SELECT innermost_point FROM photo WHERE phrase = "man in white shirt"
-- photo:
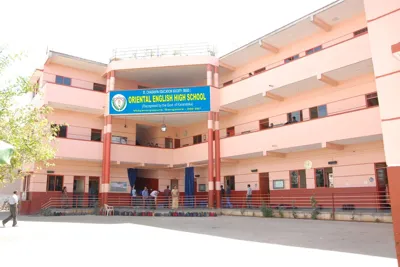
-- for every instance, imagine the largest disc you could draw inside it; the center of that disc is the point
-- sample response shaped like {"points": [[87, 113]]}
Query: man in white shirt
{"points": [[249, 195], [13, 202], [154, 195]]}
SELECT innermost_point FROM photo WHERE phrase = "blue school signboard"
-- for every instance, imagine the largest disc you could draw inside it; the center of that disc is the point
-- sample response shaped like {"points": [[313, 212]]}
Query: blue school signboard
{"points": [[163, 100]]}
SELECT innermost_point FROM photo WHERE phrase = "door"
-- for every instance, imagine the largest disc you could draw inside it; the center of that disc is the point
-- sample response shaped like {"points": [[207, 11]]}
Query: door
{"points": [[168, 143], [93, 190], [177, 143], [382, 185], [78, 191], [264, 186]]}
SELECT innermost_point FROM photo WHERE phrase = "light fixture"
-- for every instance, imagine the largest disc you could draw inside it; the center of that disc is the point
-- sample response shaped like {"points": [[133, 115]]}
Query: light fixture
{"points": [[163, 126]]}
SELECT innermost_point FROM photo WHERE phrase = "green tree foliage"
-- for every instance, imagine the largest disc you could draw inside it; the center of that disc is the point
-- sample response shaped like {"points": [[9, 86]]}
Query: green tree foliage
{"points": [[23, 126]]}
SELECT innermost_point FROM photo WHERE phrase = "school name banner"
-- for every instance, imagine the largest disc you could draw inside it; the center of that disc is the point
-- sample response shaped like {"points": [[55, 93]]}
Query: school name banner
{"points": [[155, 101]]}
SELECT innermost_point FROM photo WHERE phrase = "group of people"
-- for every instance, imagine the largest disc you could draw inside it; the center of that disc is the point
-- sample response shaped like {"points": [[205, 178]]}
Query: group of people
{"points": [[226, 195], [150, 200]]}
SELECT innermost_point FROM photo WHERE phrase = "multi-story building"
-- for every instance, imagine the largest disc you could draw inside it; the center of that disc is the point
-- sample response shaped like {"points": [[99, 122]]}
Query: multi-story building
{"points": [[305, 110]]}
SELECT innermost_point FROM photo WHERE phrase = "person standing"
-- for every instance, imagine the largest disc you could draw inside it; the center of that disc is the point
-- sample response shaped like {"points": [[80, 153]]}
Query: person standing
{"points": [[13, 202], [64, 197], [249, 195], [145, 196], [228, 197], [133, 195], [222, 195], [175, 198], [167, 194]]}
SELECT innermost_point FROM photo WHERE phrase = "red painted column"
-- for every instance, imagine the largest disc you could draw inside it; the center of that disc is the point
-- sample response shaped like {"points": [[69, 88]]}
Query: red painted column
{"points": [[210, 161], [217, 161], [107, 132]]}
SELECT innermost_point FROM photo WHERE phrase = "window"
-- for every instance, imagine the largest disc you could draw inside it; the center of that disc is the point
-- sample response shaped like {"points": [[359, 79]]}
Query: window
{"points": [[362, 31], [63, 80], [54, 182], [298, 179], [99, 87], [323, 177], [290, 59], [230, 131], [62, 130], [95, 135], [229, 181], [313, 50], [372, 100], [259, 71], [318, 112], [227, 83], [294, 117], [197, 139], [119, 140], [264, 124]]}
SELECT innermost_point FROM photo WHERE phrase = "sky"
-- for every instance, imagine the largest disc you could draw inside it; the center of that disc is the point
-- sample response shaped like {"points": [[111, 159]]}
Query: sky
{"points": [[92, 29]]}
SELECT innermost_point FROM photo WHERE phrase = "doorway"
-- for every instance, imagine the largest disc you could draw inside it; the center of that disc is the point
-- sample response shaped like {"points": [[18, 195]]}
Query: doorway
{"points": [[382, 185], [168, 142], [177, 143], [78, 191], [93, 190], [264, 186]]}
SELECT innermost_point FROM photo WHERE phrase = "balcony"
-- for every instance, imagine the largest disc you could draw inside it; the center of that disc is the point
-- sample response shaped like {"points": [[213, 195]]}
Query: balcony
{"points": [[336, 130], [75, 149], [78, 96], [140, 155], [347, 54]]}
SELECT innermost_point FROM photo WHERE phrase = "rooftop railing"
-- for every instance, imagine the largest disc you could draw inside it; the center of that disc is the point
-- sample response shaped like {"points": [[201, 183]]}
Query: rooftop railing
{"points": [[194, 49]]}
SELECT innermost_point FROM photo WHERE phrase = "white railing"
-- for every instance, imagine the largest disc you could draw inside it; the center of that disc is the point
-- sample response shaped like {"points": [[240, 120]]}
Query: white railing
{"points": [[195, 49]]}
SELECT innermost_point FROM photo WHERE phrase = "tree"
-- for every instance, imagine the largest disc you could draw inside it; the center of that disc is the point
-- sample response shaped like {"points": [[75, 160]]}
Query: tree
{"points": [[23, 126]]}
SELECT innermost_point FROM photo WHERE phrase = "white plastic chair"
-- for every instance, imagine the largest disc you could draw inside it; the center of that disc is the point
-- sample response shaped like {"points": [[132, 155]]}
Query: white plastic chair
{"points": [[108, 209]]}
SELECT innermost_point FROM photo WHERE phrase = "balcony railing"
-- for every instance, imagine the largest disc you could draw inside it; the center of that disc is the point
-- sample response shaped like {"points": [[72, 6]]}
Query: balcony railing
{"points": [[195, 49], [308, 52]]}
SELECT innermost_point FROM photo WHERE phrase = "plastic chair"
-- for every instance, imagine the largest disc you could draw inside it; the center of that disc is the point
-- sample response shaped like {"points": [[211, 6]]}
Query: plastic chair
{"points": [[108, 209]]}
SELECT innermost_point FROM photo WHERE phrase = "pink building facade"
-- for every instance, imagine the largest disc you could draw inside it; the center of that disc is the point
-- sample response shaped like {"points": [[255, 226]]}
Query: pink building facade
{"points": [[308, 109]]}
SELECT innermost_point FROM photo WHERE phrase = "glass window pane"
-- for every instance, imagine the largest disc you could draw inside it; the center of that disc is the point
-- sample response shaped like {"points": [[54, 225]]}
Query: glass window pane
{"points": [[372, 102], [322, 112], [96, 135], [59, 79], [294, 179], [58, 186], [296, 116], [63, 131], [318, 48], [303, 181], [295, 57], [309, 51], [313, 113], [67, 81], [50, 186], [319, 177]]}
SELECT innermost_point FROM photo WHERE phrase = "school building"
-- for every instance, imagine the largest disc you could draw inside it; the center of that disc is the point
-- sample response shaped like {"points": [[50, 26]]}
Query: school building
{"points": [[308, 109]]}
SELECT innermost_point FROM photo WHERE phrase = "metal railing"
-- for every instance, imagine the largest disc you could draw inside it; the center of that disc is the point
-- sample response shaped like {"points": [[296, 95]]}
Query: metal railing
{"points": [[72, 201], [194, 49], [373, 201], [161, 202]]}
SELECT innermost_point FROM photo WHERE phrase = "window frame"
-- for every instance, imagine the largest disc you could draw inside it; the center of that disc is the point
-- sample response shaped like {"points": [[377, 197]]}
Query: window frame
{"points": [[371, 96], [299, 179], [313, 50], [55, 176], [58, 133], [360, 32], [103, 86], [230, 178], [291, 116], [94, 131], [196, 139], [318, 112], [263, 122], [325, 177], [63, 79], [291, 58], [120, 139]]}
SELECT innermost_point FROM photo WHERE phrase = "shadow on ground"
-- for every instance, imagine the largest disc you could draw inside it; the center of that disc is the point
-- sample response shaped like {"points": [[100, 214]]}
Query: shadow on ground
{"points": [[375, 239]]}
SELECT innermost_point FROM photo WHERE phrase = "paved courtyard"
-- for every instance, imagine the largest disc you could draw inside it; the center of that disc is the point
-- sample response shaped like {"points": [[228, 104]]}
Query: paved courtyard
{"points": [[243, 241]]}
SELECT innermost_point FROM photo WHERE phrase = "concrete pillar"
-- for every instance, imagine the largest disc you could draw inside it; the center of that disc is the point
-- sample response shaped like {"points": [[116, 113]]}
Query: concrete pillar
{"points": [[216, 77], [107, 134], [209, 75], [383, 20], [217, 161], [210, 160]]}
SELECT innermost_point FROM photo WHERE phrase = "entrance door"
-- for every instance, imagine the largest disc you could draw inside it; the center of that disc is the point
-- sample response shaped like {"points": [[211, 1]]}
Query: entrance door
{"points": [[177, 143], [93, 190], [79, 190], [168, 143], [382, 185], [264, 186]]}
